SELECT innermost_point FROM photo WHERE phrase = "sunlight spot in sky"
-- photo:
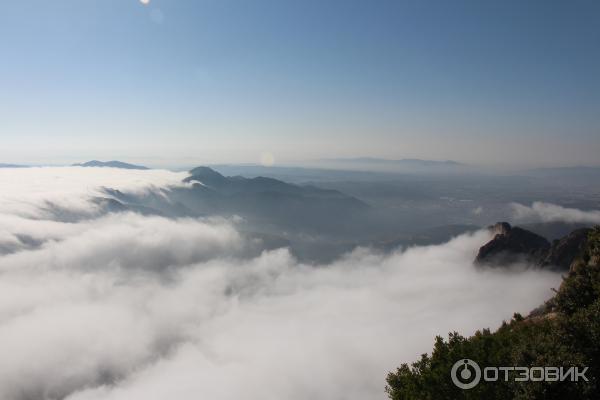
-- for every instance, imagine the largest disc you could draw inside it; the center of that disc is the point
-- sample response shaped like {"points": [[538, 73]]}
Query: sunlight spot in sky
{"points": [[267, 159], [145, 2]]}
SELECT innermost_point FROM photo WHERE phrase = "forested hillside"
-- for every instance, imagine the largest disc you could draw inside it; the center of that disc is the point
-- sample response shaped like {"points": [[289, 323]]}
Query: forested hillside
{"points": [[563, 332]]}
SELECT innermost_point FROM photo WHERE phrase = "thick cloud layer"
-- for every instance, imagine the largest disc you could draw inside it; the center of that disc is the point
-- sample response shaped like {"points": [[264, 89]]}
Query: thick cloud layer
{"points": [[126, 306], [32, 191], [547, 212]]}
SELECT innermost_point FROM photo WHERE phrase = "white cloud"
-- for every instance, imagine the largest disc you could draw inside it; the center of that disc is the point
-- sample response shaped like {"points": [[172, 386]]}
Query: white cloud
{"points": [[127, 306], [547, 212], [28, 191]]}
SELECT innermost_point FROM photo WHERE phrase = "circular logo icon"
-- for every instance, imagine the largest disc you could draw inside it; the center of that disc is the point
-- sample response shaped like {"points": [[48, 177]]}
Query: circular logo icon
{"points": [[466, 374]]}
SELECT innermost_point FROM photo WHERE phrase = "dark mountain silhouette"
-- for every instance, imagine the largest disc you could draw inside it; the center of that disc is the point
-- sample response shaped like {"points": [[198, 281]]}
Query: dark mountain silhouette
{"points": [[563, 251], [208, 178], [110, 164], [269, 200], [269, 205], [514, 244], [511, 245]]}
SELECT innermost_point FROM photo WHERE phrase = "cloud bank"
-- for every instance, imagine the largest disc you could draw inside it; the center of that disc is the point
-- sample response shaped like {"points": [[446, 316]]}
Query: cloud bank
{"points": [[31, 192], [547, 212], [126, 306]]}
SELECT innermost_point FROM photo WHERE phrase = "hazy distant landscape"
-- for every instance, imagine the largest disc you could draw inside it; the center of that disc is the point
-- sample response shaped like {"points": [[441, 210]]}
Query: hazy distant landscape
{"points": [[92, 243], [201, 277], [299, 200]]}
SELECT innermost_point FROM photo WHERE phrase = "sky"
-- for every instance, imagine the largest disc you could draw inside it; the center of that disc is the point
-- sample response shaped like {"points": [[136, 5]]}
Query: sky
{"points": [[234, 81]]}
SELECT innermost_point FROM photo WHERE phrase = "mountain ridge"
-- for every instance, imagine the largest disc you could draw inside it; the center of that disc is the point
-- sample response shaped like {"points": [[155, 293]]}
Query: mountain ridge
{"points": [[514, 244], [110, 164]]}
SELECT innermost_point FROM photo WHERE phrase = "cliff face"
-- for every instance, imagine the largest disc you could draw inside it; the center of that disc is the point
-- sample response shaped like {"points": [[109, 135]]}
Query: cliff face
{"points": [[564, 251], [514, 244], [511, 245]]}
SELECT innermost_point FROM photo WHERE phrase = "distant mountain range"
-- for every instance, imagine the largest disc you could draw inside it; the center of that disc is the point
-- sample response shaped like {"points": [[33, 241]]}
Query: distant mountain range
{"points": [[403, 161], [210, 179], [272, 204], [13, 166], [93, 163], [316, 224], [270, 198], [405, 165], [109, 164]]}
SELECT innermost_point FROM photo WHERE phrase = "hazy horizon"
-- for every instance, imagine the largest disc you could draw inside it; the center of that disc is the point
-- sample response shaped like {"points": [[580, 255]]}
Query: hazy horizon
{"points": [[341, 164]]}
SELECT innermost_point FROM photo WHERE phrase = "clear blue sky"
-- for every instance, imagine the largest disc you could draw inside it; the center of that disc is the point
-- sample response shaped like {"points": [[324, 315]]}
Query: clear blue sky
{"points": [[185, 81]]}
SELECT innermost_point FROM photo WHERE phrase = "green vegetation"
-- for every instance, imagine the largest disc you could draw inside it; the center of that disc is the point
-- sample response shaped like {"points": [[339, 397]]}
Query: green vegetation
{"points": [[564, 332]]}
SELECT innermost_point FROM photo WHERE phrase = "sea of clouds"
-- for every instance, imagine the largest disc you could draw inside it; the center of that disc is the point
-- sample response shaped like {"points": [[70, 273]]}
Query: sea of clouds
{"points": [[547, 212], [131, 306]]}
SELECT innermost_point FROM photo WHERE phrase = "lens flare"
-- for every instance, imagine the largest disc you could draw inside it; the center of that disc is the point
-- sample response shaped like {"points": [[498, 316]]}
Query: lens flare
{"points": [[267, 159]]}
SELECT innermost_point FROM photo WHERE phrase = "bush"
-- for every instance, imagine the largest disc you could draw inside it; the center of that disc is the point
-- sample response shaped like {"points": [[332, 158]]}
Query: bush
{"points": [[566, 333]]}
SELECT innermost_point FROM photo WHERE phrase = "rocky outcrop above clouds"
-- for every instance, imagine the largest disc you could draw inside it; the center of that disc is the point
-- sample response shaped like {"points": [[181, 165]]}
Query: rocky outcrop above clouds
{"points": [[511, 245]]}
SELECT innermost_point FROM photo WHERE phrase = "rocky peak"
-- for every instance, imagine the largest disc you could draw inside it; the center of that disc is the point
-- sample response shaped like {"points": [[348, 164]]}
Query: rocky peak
{"points": [[514, 244], [511, 245], [207, 176], [500, 228]]}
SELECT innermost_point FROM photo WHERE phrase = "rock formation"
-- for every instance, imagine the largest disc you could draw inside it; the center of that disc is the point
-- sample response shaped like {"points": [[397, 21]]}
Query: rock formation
{"points": [[513, 244]]}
